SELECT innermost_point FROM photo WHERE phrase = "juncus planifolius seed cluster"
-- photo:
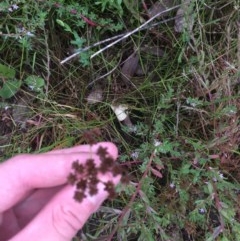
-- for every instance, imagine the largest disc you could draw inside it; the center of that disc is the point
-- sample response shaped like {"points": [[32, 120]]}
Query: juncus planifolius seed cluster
{"points": [[85, 177]]}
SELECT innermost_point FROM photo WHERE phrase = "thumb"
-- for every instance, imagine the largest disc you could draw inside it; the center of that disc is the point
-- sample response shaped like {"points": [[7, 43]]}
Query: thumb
{"points": [[62, 217]]}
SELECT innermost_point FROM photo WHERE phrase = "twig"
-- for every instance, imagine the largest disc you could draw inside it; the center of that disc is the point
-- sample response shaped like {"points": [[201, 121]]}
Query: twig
{"points": [[120, 37], [238, 46], [89, 47], [219, 208], [177, 118], [134, 31], [47, 64]]}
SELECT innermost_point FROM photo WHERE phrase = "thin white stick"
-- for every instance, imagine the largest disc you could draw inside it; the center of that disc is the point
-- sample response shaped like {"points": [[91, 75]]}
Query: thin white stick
{"points": [[89, 47], [134, 31], [120, 36]]}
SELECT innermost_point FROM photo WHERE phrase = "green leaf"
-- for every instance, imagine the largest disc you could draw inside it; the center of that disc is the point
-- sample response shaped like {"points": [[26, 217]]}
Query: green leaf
{"points": [[35, 83], [64, 25], [224, 238], [10, 88], [210, 187], [60, 22], [144, 197], [6, 72], [228, 214]]}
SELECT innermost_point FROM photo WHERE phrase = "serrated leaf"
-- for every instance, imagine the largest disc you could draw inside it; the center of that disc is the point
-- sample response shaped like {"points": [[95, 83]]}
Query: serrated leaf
{"points": [[6, 72], [35, 83], [10, 88], [78, 41]]}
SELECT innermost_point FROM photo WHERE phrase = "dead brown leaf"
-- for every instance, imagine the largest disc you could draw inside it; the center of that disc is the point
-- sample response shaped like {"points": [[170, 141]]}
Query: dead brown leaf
{"points": [[95, 96], [156, 173], [129, 67]]}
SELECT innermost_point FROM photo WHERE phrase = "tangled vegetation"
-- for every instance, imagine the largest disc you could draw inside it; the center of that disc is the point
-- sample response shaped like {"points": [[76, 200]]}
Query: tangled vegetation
{"points": [[171, 67]]}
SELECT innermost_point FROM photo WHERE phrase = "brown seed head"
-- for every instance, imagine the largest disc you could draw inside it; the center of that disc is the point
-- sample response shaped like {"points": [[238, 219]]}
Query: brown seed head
{"points": [[79, 196], [81, 185], [102, 152], [71, 178]]}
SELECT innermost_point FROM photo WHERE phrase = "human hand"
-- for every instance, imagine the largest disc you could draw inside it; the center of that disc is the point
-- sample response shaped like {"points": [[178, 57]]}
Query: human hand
{"points": [[36, 203]]}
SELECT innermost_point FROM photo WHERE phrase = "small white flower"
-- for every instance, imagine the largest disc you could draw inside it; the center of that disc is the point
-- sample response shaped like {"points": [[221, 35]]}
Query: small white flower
{"points": [[214, 179], [232, 111], [135, 154], [193, 104], [29, 34], [21, 30], [10, 9], [133, 129], [6, 107], [157, 142], [221, 175], [15, 6], [202, 210], [172, 185]]}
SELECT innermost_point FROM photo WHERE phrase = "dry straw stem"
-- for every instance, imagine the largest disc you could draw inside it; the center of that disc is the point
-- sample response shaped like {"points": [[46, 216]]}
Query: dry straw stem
{"points": [[238, 51]]}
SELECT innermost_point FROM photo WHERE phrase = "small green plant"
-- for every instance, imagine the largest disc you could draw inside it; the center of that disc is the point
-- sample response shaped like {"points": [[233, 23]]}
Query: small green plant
{"points": [[35, 83], [10, 85], [113, 4]]}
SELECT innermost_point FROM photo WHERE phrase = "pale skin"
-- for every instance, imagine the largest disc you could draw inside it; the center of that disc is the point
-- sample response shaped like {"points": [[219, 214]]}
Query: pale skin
{"points": [[36, 203]]}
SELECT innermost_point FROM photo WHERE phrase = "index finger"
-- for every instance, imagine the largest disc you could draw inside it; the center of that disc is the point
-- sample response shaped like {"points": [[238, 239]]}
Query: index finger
{"points": [[84, 148]]}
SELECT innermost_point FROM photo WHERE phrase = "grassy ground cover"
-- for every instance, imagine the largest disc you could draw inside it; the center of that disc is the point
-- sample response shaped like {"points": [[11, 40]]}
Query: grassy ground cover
{"points": [[178, 76]]}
